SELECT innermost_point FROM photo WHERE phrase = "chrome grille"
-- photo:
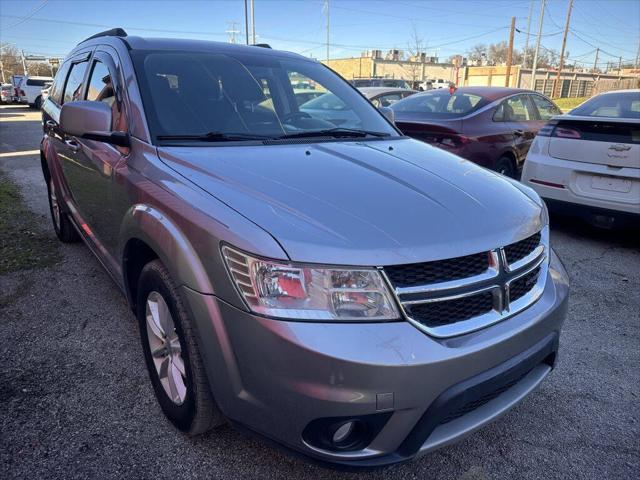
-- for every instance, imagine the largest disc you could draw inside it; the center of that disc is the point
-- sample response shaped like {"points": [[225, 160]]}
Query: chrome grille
{"points": [[441, 271], [519, 250], [435, 314], [455, 296]]}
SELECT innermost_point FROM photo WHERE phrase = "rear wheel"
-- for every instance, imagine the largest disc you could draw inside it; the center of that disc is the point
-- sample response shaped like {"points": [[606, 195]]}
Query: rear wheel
{"points": [[172, 354], [38, 103], [62, 225], [506, 167]]}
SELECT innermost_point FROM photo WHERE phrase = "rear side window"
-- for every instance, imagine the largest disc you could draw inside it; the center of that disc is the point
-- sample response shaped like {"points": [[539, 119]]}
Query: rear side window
{"points": [[440, 104], [546, 109], [515, 109], [58, 83], [617, 105], [36, 83], [73, 88]]}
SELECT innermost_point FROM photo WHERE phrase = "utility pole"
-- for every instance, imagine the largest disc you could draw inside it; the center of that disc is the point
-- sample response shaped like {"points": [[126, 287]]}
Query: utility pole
{"points": [[232, 30], [24, 63], [326, 5], [564, 44], [246, 23], [638, 56], [595, 63], [2, 71], [253, 23], [526, 43], [535, 54], [510, 53], [620, 65]]}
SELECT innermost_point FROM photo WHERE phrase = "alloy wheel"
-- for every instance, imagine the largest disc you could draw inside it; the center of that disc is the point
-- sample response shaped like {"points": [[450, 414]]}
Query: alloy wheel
{"points": [[165, 348], [55, 206]]}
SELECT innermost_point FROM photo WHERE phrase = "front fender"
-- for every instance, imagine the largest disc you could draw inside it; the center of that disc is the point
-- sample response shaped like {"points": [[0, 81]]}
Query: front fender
{"points": [[160, 233]]}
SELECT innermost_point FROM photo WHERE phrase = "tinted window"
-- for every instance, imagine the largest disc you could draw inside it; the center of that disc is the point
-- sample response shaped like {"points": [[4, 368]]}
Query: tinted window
{"points": [[73, 88], [440, 104], [546, 109], [515, 109], [58, 83], [37, 83], [101, 89], [618, 105], [193, 93], [387, 100]]}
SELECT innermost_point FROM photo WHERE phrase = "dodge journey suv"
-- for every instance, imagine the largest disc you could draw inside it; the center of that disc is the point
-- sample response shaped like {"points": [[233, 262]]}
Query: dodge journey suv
{"points": [[351, 293]]}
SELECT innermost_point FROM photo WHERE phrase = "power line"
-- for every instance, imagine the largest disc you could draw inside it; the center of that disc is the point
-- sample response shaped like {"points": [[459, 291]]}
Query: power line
{"points": [[28, 16]]}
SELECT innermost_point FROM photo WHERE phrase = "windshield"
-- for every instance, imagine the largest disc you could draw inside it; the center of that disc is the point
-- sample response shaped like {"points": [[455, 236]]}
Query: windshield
{"points": [[617, 105], [440, 104], [264, 96]]}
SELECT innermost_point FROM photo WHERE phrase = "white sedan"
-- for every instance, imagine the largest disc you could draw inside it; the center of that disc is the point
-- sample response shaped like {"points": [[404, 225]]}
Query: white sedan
{"points": [[587, 162]]}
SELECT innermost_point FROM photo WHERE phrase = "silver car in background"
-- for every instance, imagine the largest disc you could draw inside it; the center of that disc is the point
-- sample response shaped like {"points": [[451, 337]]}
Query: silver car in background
{"points": [[353, 294]]}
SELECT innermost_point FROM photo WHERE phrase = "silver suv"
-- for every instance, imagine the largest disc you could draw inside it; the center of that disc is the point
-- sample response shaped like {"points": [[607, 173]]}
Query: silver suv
{"points": [[325, 281]]}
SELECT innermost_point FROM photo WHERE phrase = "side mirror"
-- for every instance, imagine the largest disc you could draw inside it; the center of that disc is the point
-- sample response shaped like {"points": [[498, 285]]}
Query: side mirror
{"points": [[388, 113], [91, 120]]}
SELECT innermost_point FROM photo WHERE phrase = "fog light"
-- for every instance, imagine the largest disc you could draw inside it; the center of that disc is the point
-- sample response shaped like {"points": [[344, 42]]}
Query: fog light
{"points": [[343, 432]]}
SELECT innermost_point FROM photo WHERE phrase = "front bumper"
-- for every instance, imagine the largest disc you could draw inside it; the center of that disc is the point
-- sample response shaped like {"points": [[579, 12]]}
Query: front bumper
{"points": [[276, 377]]}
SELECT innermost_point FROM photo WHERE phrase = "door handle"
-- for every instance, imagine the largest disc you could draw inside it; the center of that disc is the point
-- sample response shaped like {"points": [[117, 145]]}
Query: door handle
{"points": [[73, 145], [518, 133]]}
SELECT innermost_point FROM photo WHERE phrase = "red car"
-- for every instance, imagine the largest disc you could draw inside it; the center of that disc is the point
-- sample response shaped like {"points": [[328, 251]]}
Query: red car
{"points": [[490, 126]]}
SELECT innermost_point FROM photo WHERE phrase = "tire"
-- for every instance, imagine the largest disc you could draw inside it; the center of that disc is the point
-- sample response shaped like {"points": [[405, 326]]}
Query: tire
{"points": [[62, 225], [189, 405], [38, 103], [506, 167]]}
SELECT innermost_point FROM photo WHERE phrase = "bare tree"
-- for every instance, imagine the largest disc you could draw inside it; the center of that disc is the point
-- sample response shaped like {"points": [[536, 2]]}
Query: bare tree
{"points": [[477, 53], [498, 53], [415, 47], [11, 60]]}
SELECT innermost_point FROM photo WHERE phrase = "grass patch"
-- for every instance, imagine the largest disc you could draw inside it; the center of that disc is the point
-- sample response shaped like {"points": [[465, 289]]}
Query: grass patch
{"points": [[23, 243], [567, 104]]}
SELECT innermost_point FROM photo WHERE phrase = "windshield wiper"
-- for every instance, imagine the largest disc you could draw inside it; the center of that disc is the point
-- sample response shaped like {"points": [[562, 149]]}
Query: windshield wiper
{"points": [[335, 132], [216, 137]]}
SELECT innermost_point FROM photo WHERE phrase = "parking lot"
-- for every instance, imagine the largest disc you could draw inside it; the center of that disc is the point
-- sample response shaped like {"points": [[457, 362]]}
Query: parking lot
{"points": [[77, 403]]}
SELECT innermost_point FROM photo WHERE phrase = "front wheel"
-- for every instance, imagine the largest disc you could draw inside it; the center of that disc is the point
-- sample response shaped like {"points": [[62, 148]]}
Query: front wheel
{"points": [[172, 354], [62, 225]]}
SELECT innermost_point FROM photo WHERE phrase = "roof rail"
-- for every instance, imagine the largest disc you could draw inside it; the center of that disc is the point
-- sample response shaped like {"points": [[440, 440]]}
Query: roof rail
{"points": [[261, 45], [114, 32]]}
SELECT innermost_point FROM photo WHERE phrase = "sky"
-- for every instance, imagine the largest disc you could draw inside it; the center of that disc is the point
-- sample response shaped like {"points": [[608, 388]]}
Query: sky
{"points": [[54, 27]]}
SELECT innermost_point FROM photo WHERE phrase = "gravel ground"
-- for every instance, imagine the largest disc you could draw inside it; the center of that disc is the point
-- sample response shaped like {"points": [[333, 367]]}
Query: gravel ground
{"points": [[75, 400]]}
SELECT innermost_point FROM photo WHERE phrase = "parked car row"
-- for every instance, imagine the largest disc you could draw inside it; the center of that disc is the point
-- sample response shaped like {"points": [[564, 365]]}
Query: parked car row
{"points": [[26, 89]]}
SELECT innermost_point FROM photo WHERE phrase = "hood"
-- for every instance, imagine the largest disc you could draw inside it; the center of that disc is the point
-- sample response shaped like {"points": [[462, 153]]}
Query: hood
{"points": [[370, 203]]}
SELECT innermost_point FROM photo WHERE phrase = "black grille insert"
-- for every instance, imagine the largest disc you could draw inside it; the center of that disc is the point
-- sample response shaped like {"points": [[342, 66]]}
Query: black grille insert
{"points": [[446, 312], [415, 274], [523, 285], [472, 404], [519, 250]]}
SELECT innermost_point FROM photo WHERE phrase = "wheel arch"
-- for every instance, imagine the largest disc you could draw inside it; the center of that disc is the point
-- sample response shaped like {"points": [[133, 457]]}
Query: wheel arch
{"points": [[148, 234]]}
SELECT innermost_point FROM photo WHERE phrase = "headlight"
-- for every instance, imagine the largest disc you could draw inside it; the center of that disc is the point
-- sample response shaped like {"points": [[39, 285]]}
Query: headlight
{"points": [[309, 292]]}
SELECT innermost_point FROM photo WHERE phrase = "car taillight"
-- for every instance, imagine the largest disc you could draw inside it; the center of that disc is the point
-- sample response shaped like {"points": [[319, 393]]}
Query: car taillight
{"points": [[565, 132], [547, 130], [454, 141]]}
